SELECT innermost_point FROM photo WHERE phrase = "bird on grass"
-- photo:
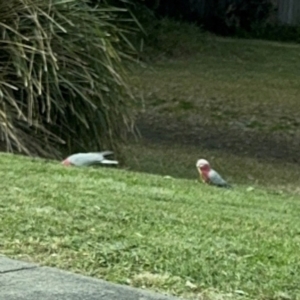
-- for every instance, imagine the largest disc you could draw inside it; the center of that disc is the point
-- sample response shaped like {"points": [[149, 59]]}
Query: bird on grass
{"points": [[209, 175], [89, 159]]}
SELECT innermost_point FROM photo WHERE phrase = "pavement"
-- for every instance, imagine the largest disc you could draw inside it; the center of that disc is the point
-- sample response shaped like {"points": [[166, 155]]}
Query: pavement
{"points": [[21, 280]]}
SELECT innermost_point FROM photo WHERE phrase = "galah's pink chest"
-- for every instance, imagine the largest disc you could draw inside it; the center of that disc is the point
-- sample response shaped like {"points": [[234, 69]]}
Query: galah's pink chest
{"points": [[205, 175]]}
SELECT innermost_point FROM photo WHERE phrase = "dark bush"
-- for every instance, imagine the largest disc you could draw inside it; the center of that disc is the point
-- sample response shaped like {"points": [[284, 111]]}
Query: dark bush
{"points": [[233, 16], [219, 16], [63, 82]]}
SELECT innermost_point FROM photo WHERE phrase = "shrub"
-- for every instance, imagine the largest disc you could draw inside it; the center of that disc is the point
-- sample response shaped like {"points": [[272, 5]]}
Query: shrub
{"points": [[273, 32], [63, 84], [166, 37], [233, 16]]}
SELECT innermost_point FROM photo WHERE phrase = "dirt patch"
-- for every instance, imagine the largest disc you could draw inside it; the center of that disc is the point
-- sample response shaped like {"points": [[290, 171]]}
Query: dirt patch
{"points": [[157, 128]]}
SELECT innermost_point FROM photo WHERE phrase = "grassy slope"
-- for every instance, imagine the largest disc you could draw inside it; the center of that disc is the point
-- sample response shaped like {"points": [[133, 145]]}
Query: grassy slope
{"points": [[238, 100], [179, 161], [161, 233], [228, 79], [151, 231]]}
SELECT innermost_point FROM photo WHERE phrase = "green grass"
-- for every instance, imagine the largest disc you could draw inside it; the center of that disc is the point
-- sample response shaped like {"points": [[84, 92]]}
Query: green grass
{"points": [[179, 162], [166, 234], [246, 84], [171, 233], [234, 102]]}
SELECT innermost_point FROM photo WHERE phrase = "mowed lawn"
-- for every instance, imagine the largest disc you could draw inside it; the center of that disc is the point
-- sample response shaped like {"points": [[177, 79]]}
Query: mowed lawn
{"points": [[229, 81], [234, 102], [161, 233], [164, 232]]}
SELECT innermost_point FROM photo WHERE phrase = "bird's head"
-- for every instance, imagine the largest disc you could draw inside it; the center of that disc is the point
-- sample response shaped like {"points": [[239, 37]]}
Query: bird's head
{"points": [[66, 162], [202, 164]]}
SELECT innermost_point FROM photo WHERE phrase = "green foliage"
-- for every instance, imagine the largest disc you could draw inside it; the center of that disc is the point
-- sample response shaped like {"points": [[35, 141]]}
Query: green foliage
{"points": [[176, 236], [169, 38], [239, 97], [246, 19], [221, 16], [234, 15], [272, 32], [63, 79]]}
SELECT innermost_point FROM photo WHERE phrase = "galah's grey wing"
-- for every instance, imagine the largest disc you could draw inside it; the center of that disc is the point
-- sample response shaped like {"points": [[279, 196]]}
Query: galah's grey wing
{"points": [[88, 159], [98, 157], [105, 153], [81, 159], [85, 159], [109, 162], [104, 160], [216, 179]]}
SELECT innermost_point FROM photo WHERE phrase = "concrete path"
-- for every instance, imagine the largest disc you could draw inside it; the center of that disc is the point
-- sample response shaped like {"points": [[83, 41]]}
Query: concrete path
{"points": [[25, 281]]}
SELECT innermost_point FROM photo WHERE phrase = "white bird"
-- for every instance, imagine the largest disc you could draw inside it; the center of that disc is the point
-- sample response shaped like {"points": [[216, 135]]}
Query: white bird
{"points": [[209, 175], [88, 159]]}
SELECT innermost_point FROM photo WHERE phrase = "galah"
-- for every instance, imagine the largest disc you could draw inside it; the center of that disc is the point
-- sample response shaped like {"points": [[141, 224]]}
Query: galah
{"points": [[209, 175], [88, 159]]}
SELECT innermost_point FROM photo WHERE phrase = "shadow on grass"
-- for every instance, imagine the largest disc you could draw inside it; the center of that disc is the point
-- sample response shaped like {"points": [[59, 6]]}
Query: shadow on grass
{"points": [[249, 159], [261, 146]]}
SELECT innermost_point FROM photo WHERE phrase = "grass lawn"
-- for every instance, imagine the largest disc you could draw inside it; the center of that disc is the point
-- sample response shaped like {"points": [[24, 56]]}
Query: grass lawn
{"points": [[179, 161], [233, 96], [234, 102], [225, 80], [166, 234]]}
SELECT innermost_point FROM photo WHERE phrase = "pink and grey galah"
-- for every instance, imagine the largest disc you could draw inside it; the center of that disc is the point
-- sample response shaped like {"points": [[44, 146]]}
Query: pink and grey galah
{"points": [[89, 159], [209, 175]]}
